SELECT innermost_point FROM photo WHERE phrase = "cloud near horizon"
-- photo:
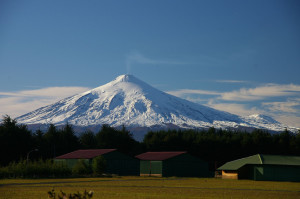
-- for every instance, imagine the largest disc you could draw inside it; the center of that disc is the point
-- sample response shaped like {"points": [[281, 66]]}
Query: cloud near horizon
{"points": [[20, 102], [247, 101], [182, 92], [287, 106], [246, 94], [258, 93]]}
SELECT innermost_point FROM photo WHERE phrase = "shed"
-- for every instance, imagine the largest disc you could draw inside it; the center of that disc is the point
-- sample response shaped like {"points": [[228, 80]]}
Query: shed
{"points": [[116, 162], [178, 163], [263, 167]]}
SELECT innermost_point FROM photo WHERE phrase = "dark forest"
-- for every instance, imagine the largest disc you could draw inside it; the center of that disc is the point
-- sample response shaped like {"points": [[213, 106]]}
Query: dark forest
{"points": [[216, 146]]}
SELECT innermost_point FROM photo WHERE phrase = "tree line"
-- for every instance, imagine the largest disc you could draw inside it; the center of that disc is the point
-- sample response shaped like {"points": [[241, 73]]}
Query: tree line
{"points": [[18, 143], [216, 146]]}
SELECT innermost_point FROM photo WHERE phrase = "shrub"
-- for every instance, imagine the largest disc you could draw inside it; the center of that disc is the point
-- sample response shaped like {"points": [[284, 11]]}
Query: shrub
{"points": [[36, 169], [81, 168], [98, 165], [4, 172], [63, 195]]}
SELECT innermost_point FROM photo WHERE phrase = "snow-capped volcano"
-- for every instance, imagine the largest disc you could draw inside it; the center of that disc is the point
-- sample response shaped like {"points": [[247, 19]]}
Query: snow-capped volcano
{"points": [[131, 102]]}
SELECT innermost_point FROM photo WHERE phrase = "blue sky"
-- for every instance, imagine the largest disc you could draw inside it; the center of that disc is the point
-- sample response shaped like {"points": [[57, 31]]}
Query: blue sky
{"points": [[239, 56]]}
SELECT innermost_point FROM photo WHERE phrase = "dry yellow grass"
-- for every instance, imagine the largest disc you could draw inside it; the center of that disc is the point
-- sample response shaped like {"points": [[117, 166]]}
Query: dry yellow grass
{"points": [[146, 187]]}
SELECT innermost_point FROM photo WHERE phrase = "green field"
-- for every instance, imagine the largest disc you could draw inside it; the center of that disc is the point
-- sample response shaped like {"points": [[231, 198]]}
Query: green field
{"points": [[147, 187]]}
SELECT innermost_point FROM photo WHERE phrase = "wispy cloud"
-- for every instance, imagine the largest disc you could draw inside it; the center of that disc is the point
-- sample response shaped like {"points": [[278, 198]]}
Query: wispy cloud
{"points": [[52, 92], [245, 94], [182, 92], [235, 108], [138, 58], [21, 102], [232, 81], [262, 92], [289, 106]]}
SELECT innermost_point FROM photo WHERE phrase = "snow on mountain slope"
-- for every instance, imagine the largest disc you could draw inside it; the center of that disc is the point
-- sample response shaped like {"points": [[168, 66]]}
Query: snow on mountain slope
{"points": [[131, 102]]}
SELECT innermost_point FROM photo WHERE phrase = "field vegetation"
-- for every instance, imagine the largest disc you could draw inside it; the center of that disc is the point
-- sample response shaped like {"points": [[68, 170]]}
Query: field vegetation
{"points": [[150, 187]]}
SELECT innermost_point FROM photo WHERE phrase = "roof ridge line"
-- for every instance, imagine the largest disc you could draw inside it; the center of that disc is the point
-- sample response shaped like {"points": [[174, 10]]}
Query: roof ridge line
{"points": [[261, 162]]}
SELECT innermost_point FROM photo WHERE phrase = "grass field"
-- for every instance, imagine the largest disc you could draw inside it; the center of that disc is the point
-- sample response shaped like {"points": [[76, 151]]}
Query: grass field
{"points": [[147, 187]]}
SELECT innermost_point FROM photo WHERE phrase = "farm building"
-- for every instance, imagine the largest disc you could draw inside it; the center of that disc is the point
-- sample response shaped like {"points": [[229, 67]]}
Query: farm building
{"points": [[116, 162], [166, 164], [263, 167]]}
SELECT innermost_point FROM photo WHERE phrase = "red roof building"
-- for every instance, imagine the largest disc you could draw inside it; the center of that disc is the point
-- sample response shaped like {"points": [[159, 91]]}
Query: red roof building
{"points": [[116, 162], [159, 155], [85, 154], [172, 163]]}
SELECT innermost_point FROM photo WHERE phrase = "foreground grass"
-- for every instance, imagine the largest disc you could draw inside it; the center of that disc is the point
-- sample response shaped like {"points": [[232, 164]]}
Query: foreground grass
{"points": [[146, 187]]}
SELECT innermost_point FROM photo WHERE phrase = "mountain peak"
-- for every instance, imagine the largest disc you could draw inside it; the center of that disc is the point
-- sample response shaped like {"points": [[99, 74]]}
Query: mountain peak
{"points": [[126, 78], [125, 82], [131, 102]]}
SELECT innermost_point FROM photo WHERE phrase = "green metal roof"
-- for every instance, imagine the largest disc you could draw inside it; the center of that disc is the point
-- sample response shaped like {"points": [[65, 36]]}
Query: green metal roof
{"points": [[261, 159]]}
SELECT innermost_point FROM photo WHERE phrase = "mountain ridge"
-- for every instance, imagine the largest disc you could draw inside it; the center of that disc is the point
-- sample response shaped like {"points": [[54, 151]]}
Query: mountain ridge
{"points": [[133, 103]]}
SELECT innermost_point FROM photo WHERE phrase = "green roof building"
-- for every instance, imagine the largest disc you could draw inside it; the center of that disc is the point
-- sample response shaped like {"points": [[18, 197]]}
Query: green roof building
{"points": [[116, 162], [175, 163], [263, 167]]}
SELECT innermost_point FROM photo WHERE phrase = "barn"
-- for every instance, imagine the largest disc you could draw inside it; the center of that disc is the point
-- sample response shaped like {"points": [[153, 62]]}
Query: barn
{"points": [[263, 167], [165, 164], [116, 162]]}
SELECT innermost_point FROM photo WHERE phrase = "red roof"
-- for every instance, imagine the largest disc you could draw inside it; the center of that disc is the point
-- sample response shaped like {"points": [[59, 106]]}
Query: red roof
{"points": [[159, 155], [85, 154]]}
